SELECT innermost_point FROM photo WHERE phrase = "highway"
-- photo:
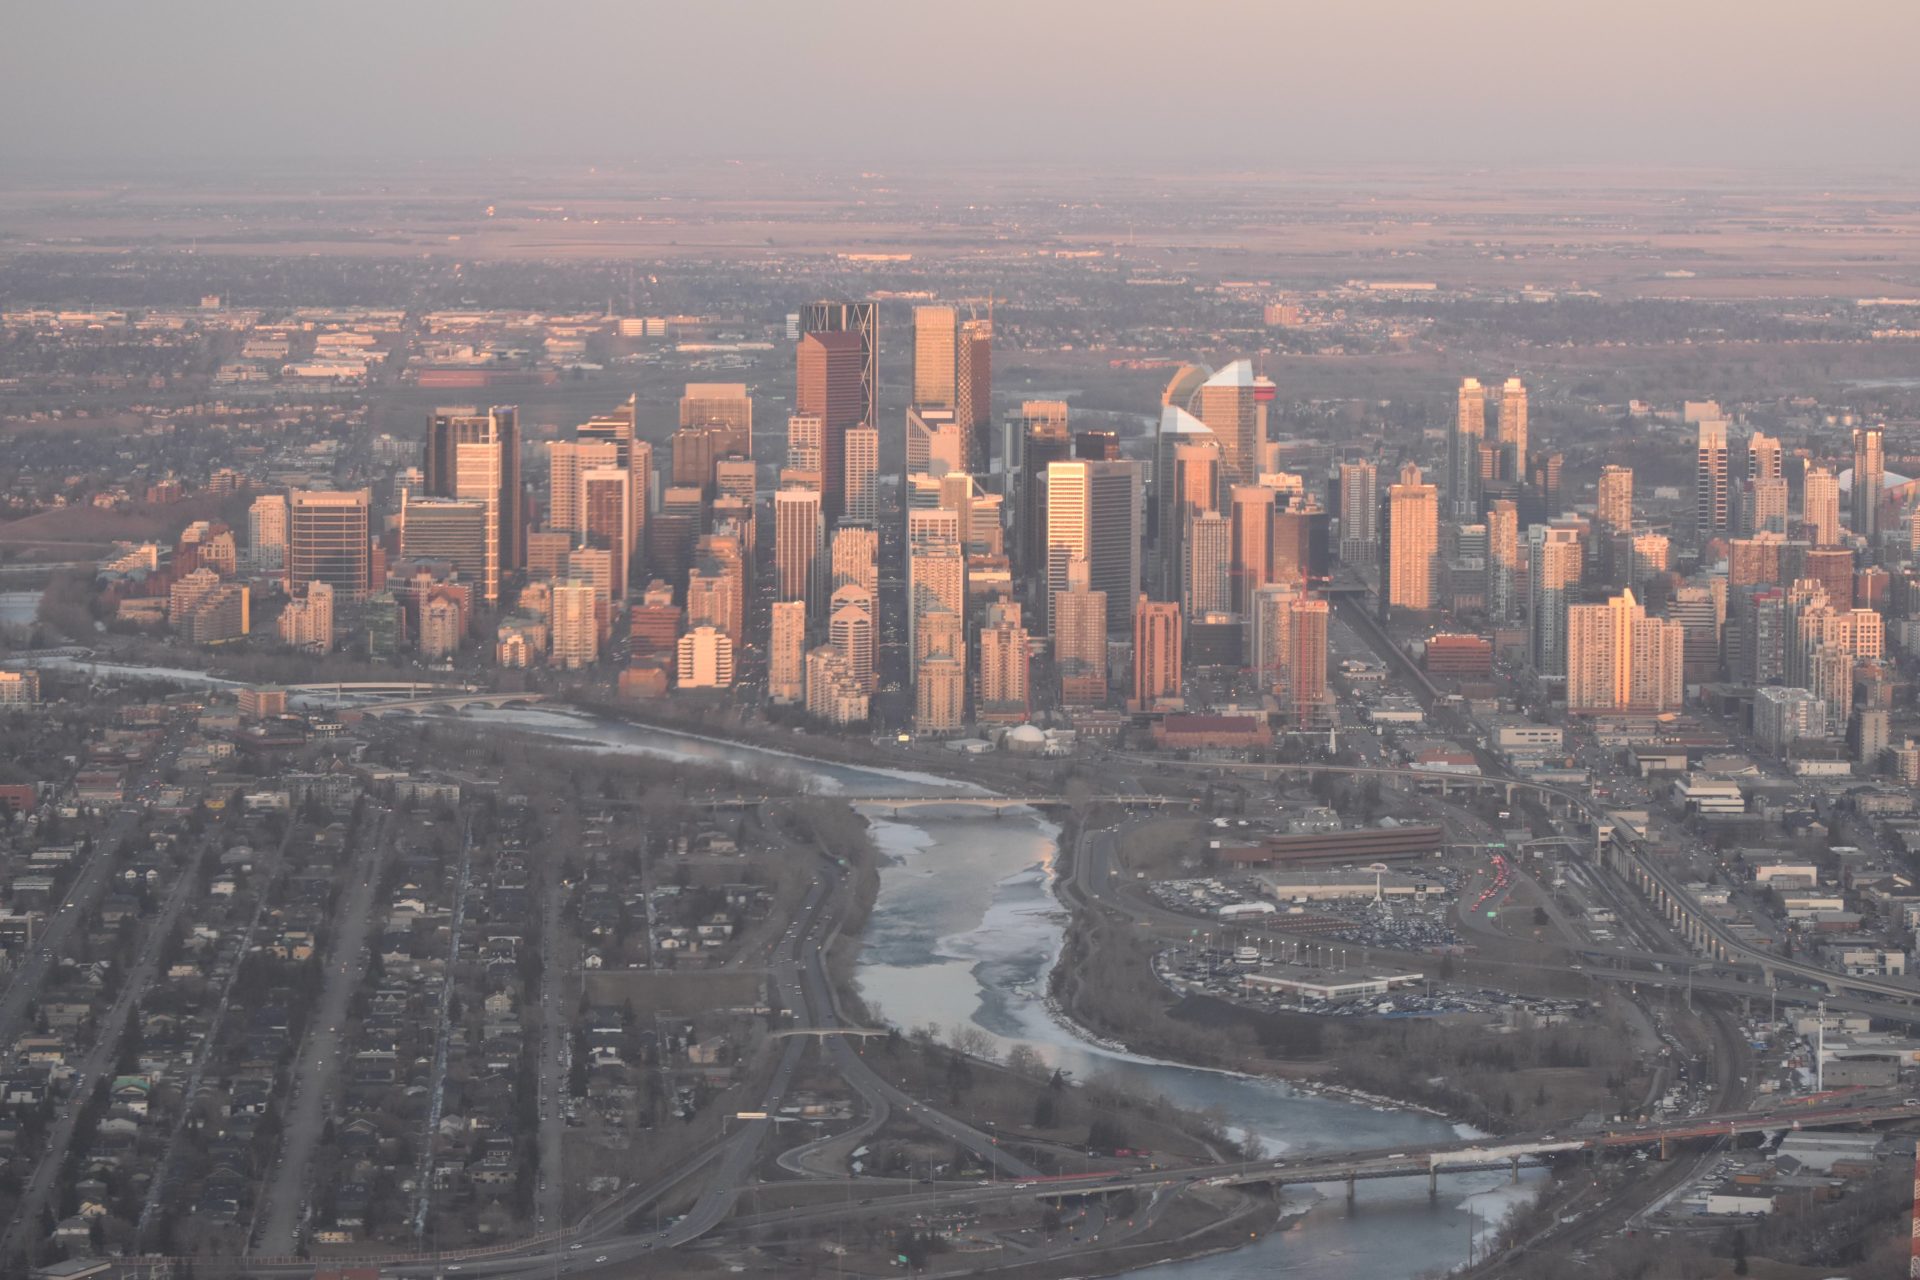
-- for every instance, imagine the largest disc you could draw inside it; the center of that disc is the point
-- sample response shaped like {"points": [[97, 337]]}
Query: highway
{"points": [[590, 1251]]}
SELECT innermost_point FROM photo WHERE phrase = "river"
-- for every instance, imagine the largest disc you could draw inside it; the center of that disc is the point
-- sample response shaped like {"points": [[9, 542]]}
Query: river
{"points": [[966, 929]]}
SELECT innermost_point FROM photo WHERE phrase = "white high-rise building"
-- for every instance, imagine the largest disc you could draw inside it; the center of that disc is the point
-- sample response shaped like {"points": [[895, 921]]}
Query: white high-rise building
{"points": [[1820, 506], [267, 532], [575, 627], [863, 473], [705, 659]]}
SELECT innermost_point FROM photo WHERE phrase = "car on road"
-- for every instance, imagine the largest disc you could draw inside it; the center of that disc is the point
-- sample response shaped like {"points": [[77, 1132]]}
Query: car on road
{"points": [[601, 1258]]}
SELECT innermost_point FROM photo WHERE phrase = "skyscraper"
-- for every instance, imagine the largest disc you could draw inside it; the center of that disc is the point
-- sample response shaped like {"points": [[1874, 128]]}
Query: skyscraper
{"points": [[1503, 561], [1618, 658], [1156, 652], [1413, 541], [829, 387], [806, 447], [863, 474], [636, 456], [1189, 488], [1299, 551], [1004, 695], [1252, 513], [1763, 506], [575, 628], [567, 460], [1207, 586], [973, 393], [850, 630], [705, 659], [1080, 640], [940, 674], [1307, 658], [327, 541], [1229, 409], [267, 532], [695, 449], [862, 320], [856, 558], [1613, 522], [724, 407], [1613, 510], [1463, 450], [1093, 514], [1869, 482], [1820, 506], [833, 694], [1042, 428], [798, 541], [1555, 561], [935, 443], [606, 519], [936, 570], [1710, 482], [1269, 636], [787, 652], [1512, 426], [307, 621], [1359, 513], [936, 332], [1177, 428], [449, 529], [470, 454], [716, 590]]}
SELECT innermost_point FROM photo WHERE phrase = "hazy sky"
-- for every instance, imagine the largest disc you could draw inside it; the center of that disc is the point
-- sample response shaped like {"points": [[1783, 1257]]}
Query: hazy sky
{"points": [[1537, 82]]}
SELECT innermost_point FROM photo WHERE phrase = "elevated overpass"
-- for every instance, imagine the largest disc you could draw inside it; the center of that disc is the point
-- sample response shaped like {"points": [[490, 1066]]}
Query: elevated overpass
{"points": [[537, 1255]]}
